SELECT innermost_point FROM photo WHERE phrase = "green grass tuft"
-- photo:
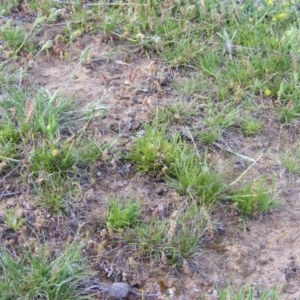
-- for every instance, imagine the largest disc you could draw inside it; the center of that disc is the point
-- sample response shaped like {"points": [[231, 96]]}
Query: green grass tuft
{"points": [[247, 293], [253, 197], [123, 213], [44, 135], [37, 275], [178, 162]]}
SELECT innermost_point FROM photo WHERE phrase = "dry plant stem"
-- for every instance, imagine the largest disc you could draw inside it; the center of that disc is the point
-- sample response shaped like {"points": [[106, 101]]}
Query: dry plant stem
{"points": [[192, 138], [235, 153], [84, 55], [219, 146], [8, 174], [8, 158], [9, 194], [250, 167]]}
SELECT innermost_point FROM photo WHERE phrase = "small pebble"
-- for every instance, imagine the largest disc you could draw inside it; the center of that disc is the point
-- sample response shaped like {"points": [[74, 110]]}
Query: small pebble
{"points": [[295, 217], [119, 290], [160, 191], [290, 288], [263, 261]]}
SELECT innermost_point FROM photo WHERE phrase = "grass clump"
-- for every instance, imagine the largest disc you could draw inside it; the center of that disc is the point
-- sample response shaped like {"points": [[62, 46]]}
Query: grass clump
{"points": [[251, 126], [177, 113], [291, 160], [7, 6], [123, 213], [55, 192], [191, 175], [37, 275], [46, 137], [253, 197], [188, 172], [170, 240], [51, 159], [150, 150], [247, 293], [13, 36], [192, 85], [18, 40], [185, 232], [176, 161], [236, 51], [291, 112], [217, 119], [13, 219], [148, 238], [9, 136]]}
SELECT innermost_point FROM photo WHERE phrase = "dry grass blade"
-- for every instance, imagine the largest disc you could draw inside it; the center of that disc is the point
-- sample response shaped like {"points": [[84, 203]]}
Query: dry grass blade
{"points": [[29, 109], [251, 166]]}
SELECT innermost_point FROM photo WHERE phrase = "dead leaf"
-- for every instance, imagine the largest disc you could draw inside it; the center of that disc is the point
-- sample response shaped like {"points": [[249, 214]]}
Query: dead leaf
{"points": [[28, 110], [186, 268], [3, 165], [13, 111]]}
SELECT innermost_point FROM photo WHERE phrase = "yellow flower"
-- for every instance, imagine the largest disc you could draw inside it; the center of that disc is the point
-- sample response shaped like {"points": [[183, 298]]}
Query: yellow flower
{"points": [[54, 152], [282, 16], [270, 3], [267, 92]]}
